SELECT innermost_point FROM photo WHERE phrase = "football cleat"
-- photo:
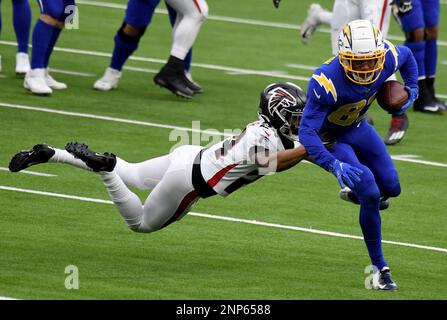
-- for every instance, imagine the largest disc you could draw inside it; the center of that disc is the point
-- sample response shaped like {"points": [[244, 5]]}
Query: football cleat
{"points": [[22, 64], [109, 80], [36, 83], [311, 23], [426, 104], [382, 280], [53, 84], [194, 86], [40, 153], [398, 128], [441, 103], [175, 83], [348, 195], [97, 162]]}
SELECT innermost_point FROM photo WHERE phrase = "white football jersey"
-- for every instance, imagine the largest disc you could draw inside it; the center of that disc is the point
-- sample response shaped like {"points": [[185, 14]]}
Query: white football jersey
{"points": [[230, 164]]}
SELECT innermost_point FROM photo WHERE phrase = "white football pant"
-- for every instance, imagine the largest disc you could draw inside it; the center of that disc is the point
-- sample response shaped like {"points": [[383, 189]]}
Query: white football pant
{"points": [[344, 11], [190, 16], [168, 176]]}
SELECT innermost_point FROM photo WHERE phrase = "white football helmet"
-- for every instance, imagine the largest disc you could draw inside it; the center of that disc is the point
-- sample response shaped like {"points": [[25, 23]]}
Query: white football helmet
{"points": [[361, 51]]}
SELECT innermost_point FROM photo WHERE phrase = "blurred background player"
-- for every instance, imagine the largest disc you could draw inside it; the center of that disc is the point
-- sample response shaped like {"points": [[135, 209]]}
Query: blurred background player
{"points": [[192, 84], [339, 95], [419, 20], [21, 13], [344, 11], [188, 16], [52, 19]]}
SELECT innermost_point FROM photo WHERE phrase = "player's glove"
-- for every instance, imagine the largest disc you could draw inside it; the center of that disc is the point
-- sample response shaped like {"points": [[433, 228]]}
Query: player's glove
{"points": [[345, 173], [276, 3], [403, 6], [412, 95]]}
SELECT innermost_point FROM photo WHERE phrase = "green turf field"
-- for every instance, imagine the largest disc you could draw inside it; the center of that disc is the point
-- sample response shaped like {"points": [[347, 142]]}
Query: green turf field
{"points": [[199, 257]]}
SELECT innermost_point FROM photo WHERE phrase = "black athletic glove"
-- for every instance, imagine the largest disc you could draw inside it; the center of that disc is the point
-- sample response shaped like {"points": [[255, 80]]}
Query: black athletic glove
{"points": [[403, 6], [276, 3]]}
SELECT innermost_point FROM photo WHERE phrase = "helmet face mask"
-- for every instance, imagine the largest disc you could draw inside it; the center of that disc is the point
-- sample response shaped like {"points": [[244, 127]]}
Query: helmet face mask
{"points": [[281, 105], [361, 51]]}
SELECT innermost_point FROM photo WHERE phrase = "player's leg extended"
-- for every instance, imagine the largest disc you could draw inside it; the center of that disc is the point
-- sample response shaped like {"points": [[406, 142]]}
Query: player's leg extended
{"points": [[42, 153], [143, 175], [368, 195], [431, 18], [170, 200], [138, 16], [22, 24]]}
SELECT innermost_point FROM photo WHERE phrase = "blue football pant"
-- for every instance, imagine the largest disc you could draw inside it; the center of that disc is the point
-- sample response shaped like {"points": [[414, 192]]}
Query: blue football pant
{"points": [[364, 148]]}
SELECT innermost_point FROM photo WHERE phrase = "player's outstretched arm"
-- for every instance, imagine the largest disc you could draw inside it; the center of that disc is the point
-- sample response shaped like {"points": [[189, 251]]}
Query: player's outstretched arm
{"points": [[281, 160]]}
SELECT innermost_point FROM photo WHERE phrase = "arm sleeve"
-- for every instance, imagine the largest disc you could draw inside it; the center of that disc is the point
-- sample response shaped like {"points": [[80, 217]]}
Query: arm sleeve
{"points": [[408, 67], [313, 118]]}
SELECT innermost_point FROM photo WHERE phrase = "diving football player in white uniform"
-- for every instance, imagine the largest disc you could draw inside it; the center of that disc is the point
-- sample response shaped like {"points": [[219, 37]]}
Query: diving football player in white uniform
{"points": [[178, 180]]}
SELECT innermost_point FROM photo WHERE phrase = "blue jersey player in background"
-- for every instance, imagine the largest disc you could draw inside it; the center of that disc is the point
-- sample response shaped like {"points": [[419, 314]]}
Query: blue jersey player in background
{"points": [[54, 15], [419, 20], [21, 17], [339, 95]]}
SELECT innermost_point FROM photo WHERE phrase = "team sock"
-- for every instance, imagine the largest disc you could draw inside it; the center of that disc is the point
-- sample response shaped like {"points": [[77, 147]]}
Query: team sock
{"points": [[418, 49], [371, 225], [54, 37], [42, 39], [431, 56], [122, 51], [22, 23]]}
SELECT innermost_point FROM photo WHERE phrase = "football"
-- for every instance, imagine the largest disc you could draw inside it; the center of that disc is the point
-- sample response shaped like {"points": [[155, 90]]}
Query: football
{"points": [[392, 95]]}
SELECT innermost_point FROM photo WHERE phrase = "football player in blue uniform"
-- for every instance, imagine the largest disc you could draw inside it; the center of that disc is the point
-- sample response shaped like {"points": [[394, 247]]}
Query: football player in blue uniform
{"points": [[419, 20], [339, 95], [21, 13], [54, 14], [186, 19]]}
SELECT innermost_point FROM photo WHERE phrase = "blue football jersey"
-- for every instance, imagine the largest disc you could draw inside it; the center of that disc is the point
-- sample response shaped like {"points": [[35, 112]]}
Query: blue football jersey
{"points": [[335, 105]]}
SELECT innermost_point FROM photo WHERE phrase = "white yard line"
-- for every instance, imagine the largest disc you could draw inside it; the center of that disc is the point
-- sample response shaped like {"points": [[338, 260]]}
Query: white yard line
{"points": [[106, 118], [34, 173], [301, 66], [406, 158], [7, 298], [72, 73], [247, 221], [145, 70], [236, 20], [411, 158], [229, 70]]}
